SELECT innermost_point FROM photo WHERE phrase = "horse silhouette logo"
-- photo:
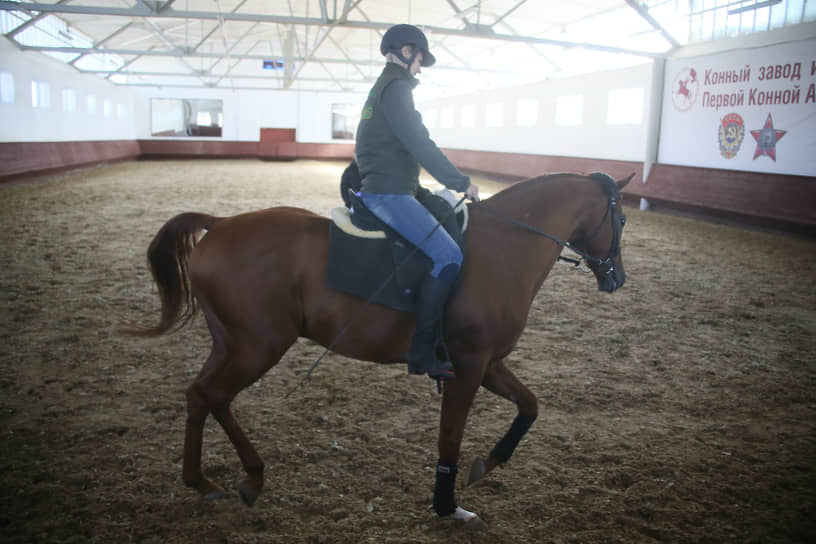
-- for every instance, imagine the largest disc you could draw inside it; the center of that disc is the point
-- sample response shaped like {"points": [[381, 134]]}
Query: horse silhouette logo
{"points": [[684, 89]]}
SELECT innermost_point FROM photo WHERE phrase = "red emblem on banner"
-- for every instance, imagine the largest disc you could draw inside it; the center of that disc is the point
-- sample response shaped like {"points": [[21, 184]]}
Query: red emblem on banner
{"points": [[732, 131], [684, 89], [766, 139]]}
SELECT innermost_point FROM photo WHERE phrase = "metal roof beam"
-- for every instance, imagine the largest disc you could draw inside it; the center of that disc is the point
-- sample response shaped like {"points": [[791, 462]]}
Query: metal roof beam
{"points": [[508, 12], [474, 31], [173, 54], [644, 12], [109, 73], [34, 20], [311, 55]]}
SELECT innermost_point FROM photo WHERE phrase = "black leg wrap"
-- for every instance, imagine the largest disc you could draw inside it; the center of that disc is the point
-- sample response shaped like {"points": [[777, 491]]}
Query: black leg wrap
{"points": [[444, 502], [507, 445]]}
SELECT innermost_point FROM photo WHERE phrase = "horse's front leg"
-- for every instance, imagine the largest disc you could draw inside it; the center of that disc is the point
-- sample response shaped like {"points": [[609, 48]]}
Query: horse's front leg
{"points": [[500, 380], [456, 401]]}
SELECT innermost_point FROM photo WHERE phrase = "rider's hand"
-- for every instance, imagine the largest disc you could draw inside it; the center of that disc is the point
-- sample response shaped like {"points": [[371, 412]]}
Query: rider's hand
{"points": [[472, 192]]}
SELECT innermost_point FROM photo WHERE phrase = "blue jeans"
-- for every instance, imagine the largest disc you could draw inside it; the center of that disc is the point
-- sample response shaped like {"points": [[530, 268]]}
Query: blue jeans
{"points": [[406, 215]]}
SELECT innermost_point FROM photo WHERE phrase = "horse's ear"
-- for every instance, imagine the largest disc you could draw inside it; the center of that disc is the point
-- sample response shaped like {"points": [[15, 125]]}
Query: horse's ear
{"points": [[622, 183]]}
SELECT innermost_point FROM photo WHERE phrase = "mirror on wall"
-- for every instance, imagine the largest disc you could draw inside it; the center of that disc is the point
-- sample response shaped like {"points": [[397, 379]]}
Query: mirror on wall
{"points": [[186, 117], [344, 121]]}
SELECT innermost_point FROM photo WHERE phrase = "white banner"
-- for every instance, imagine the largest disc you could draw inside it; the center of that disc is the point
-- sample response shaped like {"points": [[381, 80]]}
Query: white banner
{"points": [[751, 110]]}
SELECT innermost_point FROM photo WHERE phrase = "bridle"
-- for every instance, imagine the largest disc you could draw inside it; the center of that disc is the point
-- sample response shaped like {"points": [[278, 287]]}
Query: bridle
{"points": [[602, 267]]}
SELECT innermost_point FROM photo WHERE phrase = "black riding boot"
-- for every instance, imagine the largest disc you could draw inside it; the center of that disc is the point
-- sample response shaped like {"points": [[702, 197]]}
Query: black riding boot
{"points": [[423, 357]]}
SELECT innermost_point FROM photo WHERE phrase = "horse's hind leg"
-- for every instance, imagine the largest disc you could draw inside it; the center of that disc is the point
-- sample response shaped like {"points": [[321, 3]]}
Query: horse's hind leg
{"points": [[224, 375], [500, 380], [252, 462], [198, 408], [193, 476]]}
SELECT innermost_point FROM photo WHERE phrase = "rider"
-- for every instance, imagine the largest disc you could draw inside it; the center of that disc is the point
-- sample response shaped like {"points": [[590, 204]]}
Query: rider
{"points": [[391, 145]]}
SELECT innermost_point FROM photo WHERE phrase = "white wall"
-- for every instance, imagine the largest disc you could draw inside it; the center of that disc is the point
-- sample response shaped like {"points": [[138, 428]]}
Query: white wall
{"points": [[245, 111], [20, 122], [593, 137]]}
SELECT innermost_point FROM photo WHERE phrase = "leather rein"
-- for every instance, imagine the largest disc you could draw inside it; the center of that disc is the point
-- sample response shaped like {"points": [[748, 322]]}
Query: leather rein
{"points": [[594, 263]]}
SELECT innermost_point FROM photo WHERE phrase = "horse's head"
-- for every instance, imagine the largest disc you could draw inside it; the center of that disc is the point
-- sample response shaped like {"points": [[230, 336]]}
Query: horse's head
{"points": [[601, 240]]}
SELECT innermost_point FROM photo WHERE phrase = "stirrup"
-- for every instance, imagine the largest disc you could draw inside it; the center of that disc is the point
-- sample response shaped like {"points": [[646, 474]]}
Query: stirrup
{"points": [[441, 372]]}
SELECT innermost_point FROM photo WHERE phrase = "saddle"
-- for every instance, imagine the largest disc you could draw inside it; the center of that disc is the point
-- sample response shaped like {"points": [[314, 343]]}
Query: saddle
{"points": [[372, 261]]}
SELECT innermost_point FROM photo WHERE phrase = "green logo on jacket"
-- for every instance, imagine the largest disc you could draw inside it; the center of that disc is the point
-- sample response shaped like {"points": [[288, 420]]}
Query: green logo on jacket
{"points": [[368, 112]]}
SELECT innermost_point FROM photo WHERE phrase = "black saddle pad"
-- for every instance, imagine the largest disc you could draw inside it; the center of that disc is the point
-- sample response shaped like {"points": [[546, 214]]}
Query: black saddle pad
{"points": [[385, 271]]}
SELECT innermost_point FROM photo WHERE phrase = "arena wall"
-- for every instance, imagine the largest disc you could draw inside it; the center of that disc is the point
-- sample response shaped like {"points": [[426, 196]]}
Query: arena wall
{"points": [[284, 125]]}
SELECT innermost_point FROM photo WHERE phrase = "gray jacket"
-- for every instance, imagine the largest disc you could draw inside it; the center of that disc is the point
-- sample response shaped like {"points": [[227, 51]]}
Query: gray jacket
{"points": [[392, 142]]}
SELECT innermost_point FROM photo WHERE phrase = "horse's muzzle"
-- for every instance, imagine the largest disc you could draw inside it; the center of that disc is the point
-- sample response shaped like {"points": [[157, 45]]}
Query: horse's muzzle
{"points": [[611, 280]]}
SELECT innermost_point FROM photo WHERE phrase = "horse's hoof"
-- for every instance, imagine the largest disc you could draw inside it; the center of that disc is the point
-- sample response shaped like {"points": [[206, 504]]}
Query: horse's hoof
{"points": [[249, 492], [208, 489], [214, 494], [468, 520], [477, 471]]}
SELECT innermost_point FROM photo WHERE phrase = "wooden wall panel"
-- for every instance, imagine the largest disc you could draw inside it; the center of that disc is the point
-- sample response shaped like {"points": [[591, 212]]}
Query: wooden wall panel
{"points": [[769, 197], [274, 135], [25, 159], [324, 151], [765, 199], [522, 166], [196, 148]]}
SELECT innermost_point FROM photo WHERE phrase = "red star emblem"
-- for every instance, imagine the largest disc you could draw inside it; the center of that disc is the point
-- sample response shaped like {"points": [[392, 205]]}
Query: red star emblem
{"points": [[766, 139]]}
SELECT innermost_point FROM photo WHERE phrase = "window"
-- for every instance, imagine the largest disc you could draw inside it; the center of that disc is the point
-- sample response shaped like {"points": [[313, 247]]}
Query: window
{"points": [[569, 110], [344, 120], [68, 100], [446, 117], [107, 108], [191, 117], [468, 118], [527, 113], [91, 101], [204, 118], [494, 114], [40, 94], [121, 112], [6, 88], [429, 118], [625, 107]]}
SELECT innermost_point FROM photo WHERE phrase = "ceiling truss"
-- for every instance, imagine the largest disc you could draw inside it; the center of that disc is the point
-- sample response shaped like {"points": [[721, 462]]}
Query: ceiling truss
{"points": [[331, 45]]}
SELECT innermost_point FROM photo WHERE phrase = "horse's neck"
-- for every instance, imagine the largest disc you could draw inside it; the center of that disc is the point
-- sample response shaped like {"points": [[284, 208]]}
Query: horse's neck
{"points": [[556, 205]]}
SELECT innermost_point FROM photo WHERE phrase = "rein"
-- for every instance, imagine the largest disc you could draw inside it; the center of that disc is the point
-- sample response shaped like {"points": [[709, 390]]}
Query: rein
{"points": [[587, 258]]}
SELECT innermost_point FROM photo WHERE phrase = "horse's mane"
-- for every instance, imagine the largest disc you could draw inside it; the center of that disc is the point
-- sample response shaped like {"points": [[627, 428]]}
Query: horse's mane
{"points": [[603, 179], [525, 184]]}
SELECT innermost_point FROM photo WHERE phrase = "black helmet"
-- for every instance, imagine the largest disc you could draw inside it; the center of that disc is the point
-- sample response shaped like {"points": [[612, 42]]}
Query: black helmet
{"points": [[399, 35]]}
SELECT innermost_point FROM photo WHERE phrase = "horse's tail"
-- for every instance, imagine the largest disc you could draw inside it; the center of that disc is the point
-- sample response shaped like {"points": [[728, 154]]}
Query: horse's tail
{"points": [[167, 257]]}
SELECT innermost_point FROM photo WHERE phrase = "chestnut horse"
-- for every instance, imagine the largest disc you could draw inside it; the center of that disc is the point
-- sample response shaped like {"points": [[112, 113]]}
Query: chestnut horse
{"points": [[260, 280]]}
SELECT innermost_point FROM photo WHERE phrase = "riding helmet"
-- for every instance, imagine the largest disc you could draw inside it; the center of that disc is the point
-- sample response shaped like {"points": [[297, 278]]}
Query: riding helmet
{"points": [[399, 35]]}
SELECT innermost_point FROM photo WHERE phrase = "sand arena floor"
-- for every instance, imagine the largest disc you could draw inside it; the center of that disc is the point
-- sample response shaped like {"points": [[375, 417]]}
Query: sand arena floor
{"points": [[680, 409]]}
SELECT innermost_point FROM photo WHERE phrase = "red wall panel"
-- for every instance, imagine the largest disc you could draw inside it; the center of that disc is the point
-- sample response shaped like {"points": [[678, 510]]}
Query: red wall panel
{"points": [[23, 159], [771, 199], [196, 148]]}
